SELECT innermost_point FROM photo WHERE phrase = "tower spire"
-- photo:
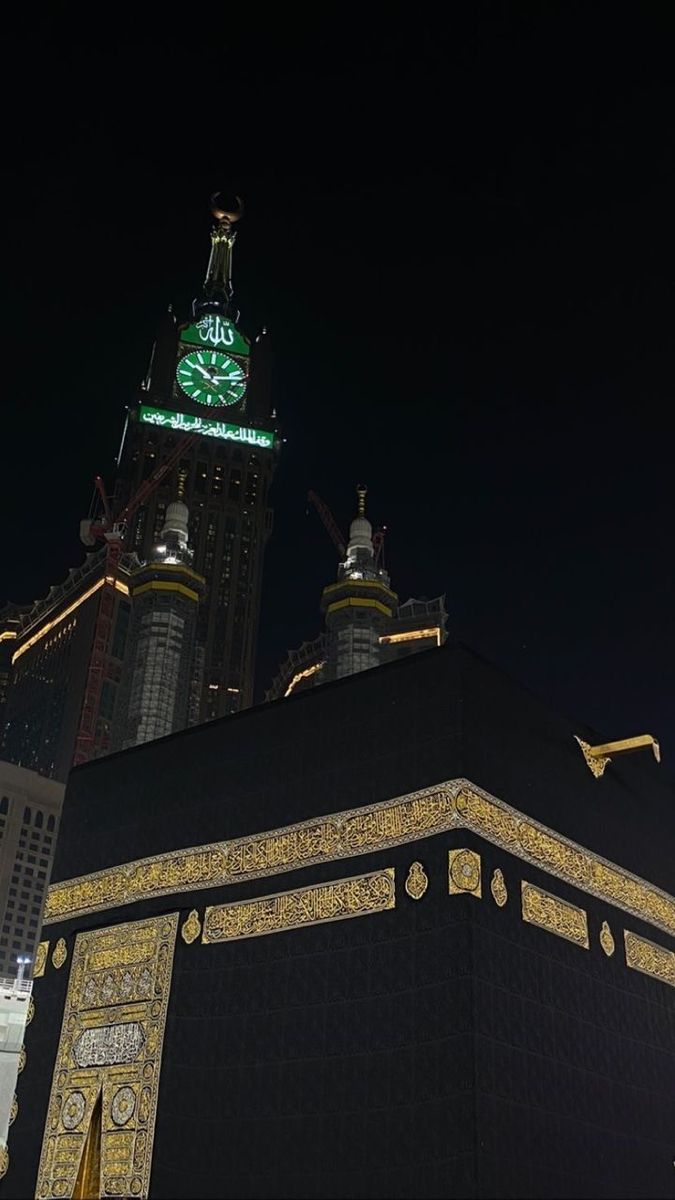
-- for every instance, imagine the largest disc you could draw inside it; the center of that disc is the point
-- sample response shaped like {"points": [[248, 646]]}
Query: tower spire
{"points": [[217, 291]]}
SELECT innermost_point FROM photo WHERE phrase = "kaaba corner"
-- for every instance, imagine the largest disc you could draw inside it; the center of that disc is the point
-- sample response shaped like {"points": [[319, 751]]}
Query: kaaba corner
{"points": [[406, 935]]}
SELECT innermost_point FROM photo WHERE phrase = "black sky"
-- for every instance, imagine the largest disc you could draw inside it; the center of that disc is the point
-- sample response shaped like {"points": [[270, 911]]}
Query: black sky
{"points": [[460, 240]]}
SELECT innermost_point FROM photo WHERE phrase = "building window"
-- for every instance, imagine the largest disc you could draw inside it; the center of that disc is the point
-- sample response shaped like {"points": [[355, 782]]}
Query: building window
{"points": [[235, 484]]}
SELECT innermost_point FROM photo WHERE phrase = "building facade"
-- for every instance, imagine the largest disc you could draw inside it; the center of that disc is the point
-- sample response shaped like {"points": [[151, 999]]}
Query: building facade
{"points": [[30, 811], [51, 647], [365, 624], [406, 943], [15, 998]]}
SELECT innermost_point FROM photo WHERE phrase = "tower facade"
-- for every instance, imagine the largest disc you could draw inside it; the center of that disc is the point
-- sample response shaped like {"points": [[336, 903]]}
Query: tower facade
{"points": [[30, 811], [207, 378], [161, 678], [51, 647], [365, 625]]}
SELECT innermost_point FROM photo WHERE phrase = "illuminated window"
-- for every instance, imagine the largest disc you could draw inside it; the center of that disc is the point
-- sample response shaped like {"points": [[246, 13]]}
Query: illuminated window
{"points": [[235, 484]]}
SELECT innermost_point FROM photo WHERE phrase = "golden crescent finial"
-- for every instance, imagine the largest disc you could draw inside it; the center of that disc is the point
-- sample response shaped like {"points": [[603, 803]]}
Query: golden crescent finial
{"points": [[223, 210]]}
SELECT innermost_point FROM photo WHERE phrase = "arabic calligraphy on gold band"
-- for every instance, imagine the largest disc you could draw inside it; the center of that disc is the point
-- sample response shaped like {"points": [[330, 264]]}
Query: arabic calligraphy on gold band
{"points": [[357, 897], [454, 804]]}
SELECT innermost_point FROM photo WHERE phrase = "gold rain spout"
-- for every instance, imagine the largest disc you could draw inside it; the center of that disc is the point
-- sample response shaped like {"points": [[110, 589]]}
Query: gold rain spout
{"points": [[597, 757]]}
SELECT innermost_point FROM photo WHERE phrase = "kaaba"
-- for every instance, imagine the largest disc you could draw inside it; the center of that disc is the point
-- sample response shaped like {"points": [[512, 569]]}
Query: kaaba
{"points": [[389, 938]]}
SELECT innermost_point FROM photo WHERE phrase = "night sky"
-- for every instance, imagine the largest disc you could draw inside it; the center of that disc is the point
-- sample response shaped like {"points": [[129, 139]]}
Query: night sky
{"points": [[460, 241]]}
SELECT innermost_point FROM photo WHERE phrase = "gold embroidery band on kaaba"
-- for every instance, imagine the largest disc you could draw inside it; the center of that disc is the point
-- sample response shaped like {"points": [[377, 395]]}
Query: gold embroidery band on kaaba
{"points": [[558, 916], [643, 955], [455, 804], [101, 1117], [356, 897]]}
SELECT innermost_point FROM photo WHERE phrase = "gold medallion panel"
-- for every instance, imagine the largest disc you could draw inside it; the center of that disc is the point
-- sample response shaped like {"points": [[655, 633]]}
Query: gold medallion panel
{"points": [[109, 1054]]}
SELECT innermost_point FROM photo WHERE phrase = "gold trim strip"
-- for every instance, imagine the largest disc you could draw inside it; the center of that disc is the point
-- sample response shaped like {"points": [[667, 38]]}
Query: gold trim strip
{"points": [[556, 915], [162, 586], [361, 583], [358, 602], [643, 955], [455, 804], [342, 898]]}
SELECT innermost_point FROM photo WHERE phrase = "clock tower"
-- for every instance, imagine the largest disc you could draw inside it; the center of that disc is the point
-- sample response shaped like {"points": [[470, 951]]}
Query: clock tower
{"points": [[208, 379]]}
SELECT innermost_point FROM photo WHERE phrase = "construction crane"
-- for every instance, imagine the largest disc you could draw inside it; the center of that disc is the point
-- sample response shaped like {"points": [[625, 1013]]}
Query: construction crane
{"points": [[111, 530], [378, 546], [329, 522], [334, 533]]}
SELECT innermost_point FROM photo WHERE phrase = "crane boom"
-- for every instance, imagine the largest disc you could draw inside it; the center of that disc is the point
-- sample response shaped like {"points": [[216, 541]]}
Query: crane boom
{"points": [[329, 522], [378, 546]]}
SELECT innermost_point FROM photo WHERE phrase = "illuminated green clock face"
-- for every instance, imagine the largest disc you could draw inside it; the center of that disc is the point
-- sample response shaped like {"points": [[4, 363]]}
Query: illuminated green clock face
{"points": [[211, 377]]}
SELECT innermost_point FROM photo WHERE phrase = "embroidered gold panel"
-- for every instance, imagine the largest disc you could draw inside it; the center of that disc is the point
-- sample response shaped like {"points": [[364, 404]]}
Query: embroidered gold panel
{"points": [[454, 804], [606, 939], [464, 872], [40, 960], [357, 897], [110, 1046], [498, 888], [417, 881], [556, 915], [643, 955]]}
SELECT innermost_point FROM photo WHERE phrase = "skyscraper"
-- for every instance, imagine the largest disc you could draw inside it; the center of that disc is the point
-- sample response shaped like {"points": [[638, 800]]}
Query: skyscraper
{"points": [[30, 810], [203, 419], [206, 377], [365, 624]]}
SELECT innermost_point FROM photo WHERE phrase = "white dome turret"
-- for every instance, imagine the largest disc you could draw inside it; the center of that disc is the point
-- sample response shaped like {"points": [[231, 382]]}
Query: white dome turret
{"points": [[176, 521], [360, 535]]}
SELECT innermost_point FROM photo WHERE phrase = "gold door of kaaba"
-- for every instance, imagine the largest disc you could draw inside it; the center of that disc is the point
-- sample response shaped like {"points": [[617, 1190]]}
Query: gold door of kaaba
{"points": [[101, 1118]]}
